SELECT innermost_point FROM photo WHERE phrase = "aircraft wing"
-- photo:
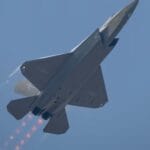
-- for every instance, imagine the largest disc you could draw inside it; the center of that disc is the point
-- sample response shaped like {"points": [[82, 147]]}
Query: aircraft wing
{"points": [[93, 93], [40, 71]]}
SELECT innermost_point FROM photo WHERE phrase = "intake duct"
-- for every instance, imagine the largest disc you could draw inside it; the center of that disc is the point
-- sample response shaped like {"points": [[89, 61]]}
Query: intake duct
{"points": [[114, 42]]}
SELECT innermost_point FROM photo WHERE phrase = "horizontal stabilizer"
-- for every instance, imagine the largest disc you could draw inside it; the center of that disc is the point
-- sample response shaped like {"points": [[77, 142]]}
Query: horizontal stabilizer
{"points": [[58, 124], [20, 107]]}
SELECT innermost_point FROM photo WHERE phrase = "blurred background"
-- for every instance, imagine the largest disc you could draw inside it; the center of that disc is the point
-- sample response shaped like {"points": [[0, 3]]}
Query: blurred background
{"points": [[30, 29]]}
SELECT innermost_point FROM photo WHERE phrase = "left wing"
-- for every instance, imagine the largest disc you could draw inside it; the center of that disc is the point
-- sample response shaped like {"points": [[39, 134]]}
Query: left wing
{"points": [[93, 93]]}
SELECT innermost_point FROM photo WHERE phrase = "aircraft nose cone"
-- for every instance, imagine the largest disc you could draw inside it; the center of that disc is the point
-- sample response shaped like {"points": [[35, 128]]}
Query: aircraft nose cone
{"points": [[135, 2], [131, 7], [113, 26]]}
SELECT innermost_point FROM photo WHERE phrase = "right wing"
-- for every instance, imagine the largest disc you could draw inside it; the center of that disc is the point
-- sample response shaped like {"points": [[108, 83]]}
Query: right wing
{"points": [[93, 93], [40, 71], [58, 124]]}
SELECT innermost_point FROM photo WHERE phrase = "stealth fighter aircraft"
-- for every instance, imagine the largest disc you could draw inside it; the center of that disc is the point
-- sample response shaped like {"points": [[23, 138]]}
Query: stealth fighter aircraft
{"points": [[74, 78]]}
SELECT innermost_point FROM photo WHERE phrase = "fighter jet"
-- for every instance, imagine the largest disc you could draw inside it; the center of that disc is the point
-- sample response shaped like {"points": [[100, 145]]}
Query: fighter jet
{"points": [[74, 78]]}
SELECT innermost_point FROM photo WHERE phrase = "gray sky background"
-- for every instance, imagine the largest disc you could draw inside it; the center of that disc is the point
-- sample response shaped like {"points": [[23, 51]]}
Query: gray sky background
{"points": [[31, 29]]}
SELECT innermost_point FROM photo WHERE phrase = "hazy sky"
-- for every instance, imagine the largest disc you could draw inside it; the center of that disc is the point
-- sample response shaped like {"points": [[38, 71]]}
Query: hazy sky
{"points": [[34, 28]]}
